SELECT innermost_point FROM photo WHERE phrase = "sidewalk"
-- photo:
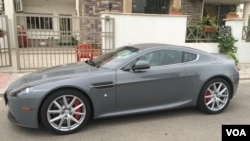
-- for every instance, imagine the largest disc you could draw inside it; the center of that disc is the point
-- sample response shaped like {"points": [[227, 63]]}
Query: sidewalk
{"points": [[7, 78]]}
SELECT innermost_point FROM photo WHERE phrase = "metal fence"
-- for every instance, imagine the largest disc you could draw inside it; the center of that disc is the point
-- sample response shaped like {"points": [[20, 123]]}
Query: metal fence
{"points": [[246, 33], [5, 53], [46, 40], [197, 33]]}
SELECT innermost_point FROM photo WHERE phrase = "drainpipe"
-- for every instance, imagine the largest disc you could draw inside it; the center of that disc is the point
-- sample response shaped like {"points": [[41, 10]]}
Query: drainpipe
{"points": [[246, 12]]}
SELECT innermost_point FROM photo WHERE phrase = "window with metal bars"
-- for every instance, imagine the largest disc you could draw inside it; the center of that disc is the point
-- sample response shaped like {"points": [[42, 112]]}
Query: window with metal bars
{"points": [[150, 6], [36, 22], [219, 11]]}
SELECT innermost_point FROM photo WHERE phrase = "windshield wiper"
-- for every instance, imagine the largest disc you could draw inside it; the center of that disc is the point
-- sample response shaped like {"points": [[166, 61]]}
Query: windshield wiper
{"points": [[92, 63]]}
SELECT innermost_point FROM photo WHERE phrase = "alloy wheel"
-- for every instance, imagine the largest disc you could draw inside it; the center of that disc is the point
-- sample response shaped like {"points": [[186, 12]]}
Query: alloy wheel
{"points": [[216, 96], [66, 112]]}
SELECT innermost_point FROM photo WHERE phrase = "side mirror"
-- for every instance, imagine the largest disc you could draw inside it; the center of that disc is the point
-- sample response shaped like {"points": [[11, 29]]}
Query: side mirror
{"points": [[141, 65]]}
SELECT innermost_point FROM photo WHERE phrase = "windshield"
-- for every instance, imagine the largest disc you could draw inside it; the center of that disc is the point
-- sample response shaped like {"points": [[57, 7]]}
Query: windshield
{"points": [[116, 57]]}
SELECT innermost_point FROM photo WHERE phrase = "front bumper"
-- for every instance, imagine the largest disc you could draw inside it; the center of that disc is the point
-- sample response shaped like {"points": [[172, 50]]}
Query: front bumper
{"points": [[17, 115]]}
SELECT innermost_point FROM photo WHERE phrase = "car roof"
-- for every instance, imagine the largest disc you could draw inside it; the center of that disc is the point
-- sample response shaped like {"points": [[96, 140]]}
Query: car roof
{"points": [[153, 46]]}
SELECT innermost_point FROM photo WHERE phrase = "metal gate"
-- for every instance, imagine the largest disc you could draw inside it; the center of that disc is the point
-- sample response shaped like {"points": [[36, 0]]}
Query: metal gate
{"points": [[47, 40], [5, 52]]}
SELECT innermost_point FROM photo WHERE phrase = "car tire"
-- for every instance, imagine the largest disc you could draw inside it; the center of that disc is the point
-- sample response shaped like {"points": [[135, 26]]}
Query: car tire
{"points": [[65, 111], [215, 96]]}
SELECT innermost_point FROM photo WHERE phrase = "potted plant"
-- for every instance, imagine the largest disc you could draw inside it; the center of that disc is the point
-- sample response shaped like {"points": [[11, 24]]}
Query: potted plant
{"points": [[227, 45], [176, 11], [209, 24], [2, 33], [232, 15], [97, 49]]}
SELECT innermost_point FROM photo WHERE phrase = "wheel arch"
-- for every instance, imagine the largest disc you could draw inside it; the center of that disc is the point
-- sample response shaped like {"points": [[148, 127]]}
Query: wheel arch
{"points": [[215, 77], [64, 88], [201, 104]]}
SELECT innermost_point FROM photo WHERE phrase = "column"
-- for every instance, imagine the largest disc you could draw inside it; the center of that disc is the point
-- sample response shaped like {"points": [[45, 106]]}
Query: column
{"points": [[77, 7], [177, 3], [10, 11], [236, 26], [127, 6], [246, 12]]}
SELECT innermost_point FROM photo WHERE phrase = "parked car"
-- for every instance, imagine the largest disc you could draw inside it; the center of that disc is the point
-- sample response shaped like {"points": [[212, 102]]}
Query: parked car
{"points": [[128, 80]]}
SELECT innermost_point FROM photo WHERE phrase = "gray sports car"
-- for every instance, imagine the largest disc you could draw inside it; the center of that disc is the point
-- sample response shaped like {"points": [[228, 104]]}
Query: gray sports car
{"points": [[131, 79]]}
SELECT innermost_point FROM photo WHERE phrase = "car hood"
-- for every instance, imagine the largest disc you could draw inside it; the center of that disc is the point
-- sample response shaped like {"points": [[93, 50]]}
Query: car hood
{"points": [[54, 74]]}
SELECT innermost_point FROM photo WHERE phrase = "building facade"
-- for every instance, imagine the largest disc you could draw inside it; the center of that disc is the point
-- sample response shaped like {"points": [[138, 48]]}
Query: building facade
{"points": [[38, 9]]}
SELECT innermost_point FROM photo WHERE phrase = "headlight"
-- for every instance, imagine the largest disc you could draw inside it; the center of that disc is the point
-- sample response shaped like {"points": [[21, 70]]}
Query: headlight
{"points": [[20, 91]]}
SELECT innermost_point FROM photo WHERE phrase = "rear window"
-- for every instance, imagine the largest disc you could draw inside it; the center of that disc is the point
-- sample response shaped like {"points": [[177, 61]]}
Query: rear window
{"points": [[187, 57]]}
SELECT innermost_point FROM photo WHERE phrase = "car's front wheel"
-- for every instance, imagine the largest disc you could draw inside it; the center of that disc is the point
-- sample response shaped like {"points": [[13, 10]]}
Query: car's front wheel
{"points": [[215, 96], [65, 111]]}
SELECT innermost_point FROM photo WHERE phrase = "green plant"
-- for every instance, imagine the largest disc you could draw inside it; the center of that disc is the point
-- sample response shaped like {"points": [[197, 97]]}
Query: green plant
{"points": [[227, 45], [95, 46], [248, 32], [232, 13], [208, 21], [2, 32], [67, 43], [176, 9]]}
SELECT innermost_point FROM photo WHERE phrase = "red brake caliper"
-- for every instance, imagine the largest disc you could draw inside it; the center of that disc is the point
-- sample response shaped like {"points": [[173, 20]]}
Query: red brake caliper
{"points": [[76, 103], [207, 94]]}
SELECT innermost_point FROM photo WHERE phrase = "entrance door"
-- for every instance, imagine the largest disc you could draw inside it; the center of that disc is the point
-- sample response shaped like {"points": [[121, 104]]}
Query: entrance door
{"points": [[65, 24]]}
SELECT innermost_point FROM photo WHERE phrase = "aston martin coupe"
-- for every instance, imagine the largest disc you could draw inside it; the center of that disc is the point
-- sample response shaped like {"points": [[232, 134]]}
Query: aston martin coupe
{"points": [[128, 80]]}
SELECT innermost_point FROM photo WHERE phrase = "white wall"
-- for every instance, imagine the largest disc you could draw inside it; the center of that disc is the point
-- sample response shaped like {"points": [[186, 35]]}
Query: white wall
{"points": [[243, 52], [141, 28], [243, 47]]}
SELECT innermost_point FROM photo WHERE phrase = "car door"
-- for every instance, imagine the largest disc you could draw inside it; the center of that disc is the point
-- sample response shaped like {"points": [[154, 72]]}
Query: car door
{"points": [[158, 86]]}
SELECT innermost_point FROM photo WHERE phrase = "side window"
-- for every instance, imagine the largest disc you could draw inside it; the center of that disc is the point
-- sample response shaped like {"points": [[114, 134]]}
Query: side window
{"points": [[152, 57], [163, 57], [187, 57], [172, 57], [158, 58]]}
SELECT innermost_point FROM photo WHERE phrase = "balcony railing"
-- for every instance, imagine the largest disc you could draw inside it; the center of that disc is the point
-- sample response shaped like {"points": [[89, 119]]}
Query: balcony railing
{"points": [[246, 33], [197, 33]]}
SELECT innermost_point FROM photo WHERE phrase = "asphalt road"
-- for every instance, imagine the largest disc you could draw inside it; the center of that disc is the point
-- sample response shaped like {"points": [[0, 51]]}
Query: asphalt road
{"points": [[178, 125]]}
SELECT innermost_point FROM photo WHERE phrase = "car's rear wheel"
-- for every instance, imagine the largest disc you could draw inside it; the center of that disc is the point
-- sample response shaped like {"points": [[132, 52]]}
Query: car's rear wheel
{"points": [[215, 96], [65, 111]]}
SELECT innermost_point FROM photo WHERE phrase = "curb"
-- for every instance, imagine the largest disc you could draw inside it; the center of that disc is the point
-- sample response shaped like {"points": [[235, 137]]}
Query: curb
{"points": [[245, 79]]}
